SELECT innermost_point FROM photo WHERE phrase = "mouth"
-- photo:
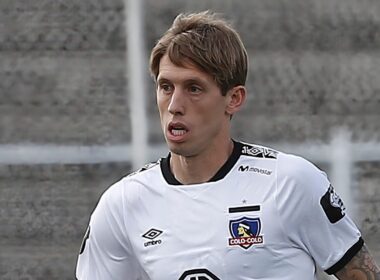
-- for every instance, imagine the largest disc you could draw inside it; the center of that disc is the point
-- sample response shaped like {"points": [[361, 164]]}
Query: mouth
{"points": [[177, 131]]}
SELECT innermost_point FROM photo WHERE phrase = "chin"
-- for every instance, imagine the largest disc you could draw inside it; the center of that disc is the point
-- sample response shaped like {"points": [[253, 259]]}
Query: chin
{"points": [[181, 150]]}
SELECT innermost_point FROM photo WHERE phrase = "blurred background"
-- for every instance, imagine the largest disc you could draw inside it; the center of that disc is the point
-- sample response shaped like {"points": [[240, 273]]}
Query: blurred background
{"points": [[78, 112]]}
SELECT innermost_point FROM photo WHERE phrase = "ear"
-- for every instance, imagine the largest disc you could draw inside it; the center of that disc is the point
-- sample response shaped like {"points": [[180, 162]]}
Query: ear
{"points": [[235, 99]]}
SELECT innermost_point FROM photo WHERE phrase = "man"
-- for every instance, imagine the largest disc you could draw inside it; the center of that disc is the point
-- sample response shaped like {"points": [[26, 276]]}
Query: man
{"points": [[244, 230], [182, 218]]}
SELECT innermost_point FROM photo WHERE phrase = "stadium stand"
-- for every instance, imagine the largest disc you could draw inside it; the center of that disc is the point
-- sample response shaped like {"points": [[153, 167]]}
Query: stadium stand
{"points": [[314, 67]]}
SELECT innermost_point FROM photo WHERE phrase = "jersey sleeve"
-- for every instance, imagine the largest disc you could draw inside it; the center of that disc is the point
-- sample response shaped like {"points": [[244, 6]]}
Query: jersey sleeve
{"points": [[313, 216], [105, 252]]}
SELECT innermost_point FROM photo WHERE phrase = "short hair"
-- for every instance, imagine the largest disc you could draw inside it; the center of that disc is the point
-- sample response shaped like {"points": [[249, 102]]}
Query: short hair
{"points": [[209, 43]]}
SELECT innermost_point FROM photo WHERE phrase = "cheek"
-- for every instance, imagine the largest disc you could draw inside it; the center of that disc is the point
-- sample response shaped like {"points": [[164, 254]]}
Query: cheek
{"points": [[161, 105], [211, 115]]}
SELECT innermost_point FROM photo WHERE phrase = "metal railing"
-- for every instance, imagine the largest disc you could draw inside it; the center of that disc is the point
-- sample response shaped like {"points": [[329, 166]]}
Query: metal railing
{"points": [[340, 154]]}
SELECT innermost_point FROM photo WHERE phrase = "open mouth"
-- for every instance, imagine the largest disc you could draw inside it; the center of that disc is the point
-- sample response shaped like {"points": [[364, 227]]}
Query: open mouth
{"points": [[177, 129]]}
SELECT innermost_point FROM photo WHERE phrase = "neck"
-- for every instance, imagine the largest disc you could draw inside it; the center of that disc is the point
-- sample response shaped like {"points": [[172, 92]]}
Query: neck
{"points": [[201, 168]]}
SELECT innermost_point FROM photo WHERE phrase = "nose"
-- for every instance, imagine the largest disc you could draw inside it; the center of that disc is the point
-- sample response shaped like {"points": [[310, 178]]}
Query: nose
{"points": [[177, 103]]}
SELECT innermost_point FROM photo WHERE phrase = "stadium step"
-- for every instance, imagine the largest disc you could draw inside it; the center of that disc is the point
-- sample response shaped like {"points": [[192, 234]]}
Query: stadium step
{"points": [[292, 25], [87, 103], [322, 25], [51, 204], [38, 262]]}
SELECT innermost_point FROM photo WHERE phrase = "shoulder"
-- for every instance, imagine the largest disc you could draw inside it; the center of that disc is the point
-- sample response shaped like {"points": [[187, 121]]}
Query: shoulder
{"points": [[257, 151], [146, 170], [290, 170], [300, 185], [299, 178], [130, 185], [287, 165], [293, 167]]}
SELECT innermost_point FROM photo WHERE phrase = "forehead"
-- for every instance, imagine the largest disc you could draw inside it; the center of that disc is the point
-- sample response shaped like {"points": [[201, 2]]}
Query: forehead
{"points": [[187, 71]]}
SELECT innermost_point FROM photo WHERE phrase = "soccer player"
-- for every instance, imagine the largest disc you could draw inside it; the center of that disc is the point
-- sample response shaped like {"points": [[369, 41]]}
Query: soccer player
{"points": [[184, 217]]}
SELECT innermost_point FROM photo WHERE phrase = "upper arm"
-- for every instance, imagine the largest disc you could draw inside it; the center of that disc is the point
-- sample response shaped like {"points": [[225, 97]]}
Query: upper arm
{"points": [[106, 252], [361, 267], [316, 220]]}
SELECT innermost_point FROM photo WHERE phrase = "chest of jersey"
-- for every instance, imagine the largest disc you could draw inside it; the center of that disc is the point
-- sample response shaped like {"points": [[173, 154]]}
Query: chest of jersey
{"points": [[222, 230]]}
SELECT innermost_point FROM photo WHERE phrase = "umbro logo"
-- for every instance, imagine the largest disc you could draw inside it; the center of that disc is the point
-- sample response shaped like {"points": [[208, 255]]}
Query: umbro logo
{"points": [[245, 168], [151, 235], [260, 152]]}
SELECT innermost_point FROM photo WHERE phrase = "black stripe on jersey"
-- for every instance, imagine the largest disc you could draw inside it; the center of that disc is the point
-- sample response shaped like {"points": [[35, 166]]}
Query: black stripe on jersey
{"points": [[251, 208], [222, 172], [346, 258]]}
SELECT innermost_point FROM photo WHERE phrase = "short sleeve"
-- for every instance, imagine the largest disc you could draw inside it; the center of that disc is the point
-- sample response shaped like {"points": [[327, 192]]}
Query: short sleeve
{"points": [[105, 252], [313, 215]]}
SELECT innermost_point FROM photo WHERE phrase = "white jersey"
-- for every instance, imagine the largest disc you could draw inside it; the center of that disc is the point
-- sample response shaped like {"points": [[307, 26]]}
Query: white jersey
{"points": [[264, 215]]}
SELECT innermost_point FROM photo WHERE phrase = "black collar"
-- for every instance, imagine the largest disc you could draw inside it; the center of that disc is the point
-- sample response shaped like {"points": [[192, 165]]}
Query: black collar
{"points": [[222, 172]]}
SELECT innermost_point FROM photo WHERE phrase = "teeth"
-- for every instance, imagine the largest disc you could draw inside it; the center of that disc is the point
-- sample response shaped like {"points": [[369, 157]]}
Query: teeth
{"points": [[178, 132]]}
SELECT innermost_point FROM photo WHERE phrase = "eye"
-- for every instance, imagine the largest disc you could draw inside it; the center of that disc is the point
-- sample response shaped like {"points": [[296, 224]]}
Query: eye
{"points": [[165, 88], [194, 89]]}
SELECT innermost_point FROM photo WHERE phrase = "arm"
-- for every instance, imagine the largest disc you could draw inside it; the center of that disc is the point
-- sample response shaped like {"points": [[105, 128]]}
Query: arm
{"points": [[106, 252], [361, 267]]}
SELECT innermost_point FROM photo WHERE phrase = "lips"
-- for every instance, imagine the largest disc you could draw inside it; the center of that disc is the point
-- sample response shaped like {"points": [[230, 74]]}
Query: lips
{"points": [[177, 131]]}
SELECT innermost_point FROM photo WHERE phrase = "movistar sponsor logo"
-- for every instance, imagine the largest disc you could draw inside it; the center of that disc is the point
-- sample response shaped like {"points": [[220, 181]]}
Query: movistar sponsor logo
{"points": [[247, 168]]}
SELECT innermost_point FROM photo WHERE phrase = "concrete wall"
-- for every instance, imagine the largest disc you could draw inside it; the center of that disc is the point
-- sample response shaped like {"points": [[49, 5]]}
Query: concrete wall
{"points": [[314, 66]]}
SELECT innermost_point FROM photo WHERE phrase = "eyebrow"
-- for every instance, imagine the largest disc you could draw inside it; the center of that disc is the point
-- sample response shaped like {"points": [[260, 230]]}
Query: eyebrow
{"points": [[162, 80], [192, 80], [195, 81]]}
